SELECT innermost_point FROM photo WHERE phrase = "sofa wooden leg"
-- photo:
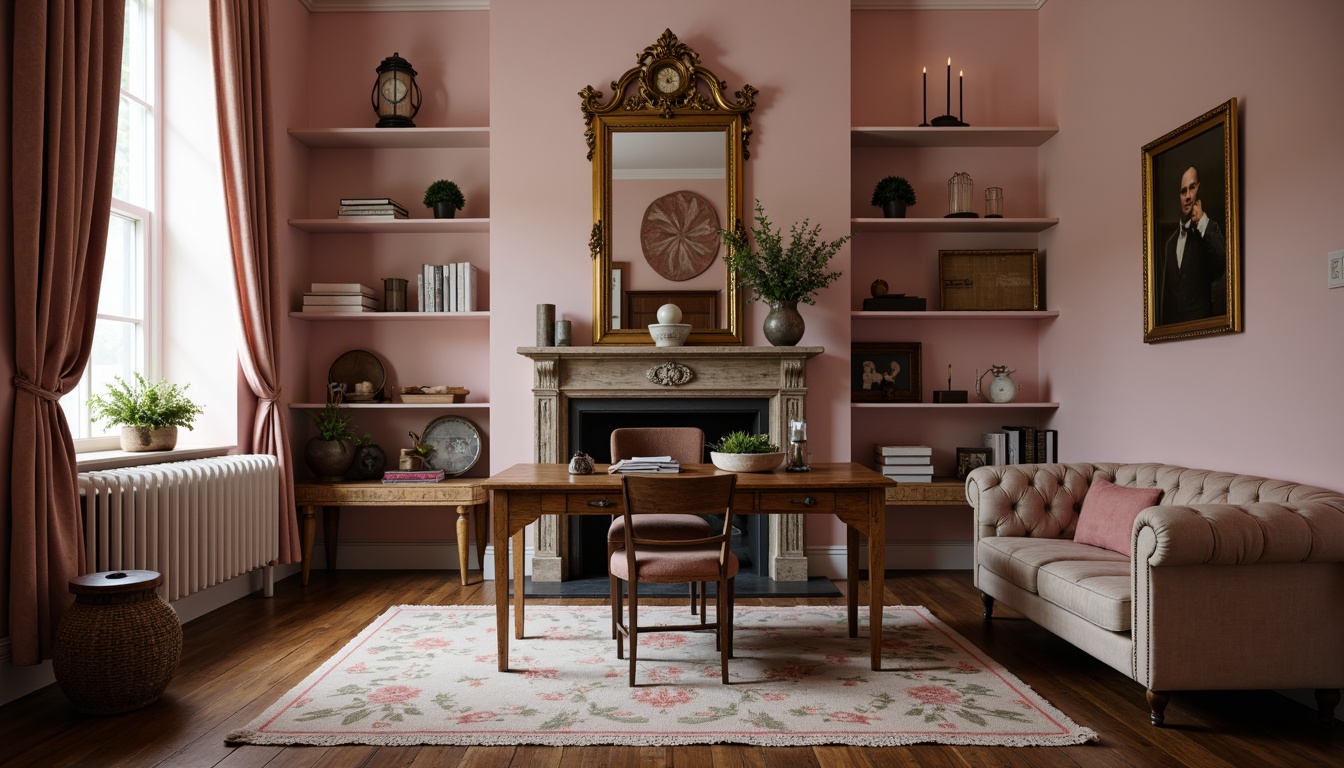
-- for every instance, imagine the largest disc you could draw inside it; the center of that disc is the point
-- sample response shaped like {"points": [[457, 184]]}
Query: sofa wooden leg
{"points": [[1157, 706], [989, 605], [1326, 701]]}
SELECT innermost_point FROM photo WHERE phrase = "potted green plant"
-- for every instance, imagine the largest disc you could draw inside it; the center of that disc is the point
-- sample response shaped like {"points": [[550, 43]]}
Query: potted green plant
{"points": [[149, 412], [445, 197], [892, 194], [330, 453], [782, 275], [745, 452], [414, 457], [369, 461]]}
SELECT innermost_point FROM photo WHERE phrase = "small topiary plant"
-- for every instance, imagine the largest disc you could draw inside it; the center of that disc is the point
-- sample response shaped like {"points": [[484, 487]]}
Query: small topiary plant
{"points": [[893, 189], [143, 403], [744, 442], [444, 191]]}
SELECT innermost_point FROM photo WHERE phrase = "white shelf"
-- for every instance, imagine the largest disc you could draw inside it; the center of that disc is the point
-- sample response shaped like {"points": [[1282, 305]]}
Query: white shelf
{"points": [[388, 226], [1044, 314], [393, 406], [952, 225], [436, 316], [969, 136], [393, 138], [955, 406]]}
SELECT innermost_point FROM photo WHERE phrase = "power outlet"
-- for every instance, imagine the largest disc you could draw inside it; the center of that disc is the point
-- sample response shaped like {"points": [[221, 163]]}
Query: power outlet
{"points": [[1336, 276]]}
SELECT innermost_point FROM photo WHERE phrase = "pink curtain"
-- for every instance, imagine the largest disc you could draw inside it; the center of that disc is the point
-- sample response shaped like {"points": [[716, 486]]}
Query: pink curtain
{"points": [[241, 45], [65, 99]]}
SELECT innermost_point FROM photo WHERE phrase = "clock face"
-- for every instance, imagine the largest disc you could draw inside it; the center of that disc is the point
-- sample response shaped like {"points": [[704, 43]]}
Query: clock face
{"points": [[667, 79], [394, 90]]}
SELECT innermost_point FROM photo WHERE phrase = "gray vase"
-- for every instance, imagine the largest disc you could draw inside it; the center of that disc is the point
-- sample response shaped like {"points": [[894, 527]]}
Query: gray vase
{"points": [[329, 460], [784, 325]]}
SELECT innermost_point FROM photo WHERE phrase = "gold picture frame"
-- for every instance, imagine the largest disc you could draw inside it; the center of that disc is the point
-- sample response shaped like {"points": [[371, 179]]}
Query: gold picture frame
{"points": [[1192, 278]]}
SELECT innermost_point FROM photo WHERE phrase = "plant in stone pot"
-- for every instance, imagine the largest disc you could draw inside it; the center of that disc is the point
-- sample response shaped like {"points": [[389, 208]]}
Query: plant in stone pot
{"points": [[331, 452], [149, 412], [782, 275], [892, 194], [745, 452], [445, 197]]}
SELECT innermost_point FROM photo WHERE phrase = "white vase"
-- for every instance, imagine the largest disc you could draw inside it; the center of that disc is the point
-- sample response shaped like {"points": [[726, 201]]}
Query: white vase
{"points": [[746, 462]]}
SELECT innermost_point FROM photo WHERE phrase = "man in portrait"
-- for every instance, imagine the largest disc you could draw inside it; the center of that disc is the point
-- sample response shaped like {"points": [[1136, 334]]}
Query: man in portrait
{"points": [[1193, 261]]}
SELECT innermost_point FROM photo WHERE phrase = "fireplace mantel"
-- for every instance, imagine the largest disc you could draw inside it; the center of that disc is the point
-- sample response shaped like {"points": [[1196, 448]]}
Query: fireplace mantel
{"points": [[778, 374]]}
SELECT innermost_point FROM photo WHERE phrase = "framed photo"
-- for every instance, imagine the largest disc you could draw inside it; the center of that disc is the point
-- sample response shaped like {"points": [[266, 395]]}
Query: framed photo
{"points": [[617, 291], [1191, 229], [885, 372], [970, 458]]}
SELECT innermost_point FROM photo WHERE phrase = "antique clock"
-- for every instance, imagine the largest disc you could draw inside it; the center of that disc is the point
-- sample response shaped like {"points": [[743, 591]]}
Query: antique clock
{"points": [[396, 97]]}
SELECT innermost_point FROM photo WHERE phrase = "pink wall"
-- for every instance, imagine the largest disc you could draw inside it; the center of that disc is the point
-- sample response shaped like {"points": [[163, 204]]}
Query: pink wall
{"points": [[1116, 76]]}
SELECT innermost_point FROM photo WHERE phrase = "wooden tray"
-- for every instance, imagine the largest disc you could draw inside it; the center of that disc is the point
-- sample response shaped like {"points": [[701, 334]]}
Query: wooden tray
{"points": [[449, 398]]}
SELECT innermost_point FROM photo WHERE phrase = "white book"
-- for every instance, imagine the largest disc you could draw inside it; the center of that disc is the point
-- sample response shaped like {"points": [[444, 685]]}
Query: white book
{"points": [[903, 450], [328, 299], [337, 308], [914, 479], [908, 471], [420, 292], [900, 460], [460, 273], [469, 292], [431, 290], [450, 287], [342, 288], [997, 443]]}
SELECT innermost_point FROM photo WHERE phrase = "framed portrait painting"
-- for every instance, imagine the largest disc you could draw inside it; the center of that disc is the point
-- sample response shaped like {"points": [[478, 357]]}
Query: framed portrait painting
{"points": [[885, 372], [1191, 229]]}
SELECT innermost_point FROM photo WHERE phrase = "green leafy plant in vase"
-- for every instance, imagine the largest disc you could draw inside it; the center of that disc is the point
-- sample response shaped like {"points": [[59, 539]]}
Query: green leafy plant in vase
{"points": [[782, 275], [892, 194], [149, 412], [445, 197], [330, 453], [745, 452], [414, 457]]}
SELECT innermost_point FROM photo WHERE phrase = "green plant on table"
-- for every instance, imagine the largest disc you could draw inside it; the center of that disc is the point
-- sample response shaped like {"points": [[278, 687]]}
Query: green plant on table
{"points": [[143, 403], [893, 189], [333, 424], [776, 272], [419, 447], [444, 191], [744, 442]]}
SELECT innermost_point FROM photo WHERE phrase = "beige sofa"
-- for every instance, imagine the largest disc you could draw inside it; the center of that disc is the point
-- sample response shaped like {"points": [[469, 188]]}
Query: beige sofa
{"points": [[1239, 582]]}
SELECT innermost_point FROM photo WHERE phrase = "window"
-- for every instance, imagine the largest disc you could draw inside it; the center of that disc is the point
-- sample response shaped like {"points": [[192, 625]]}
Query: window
{"points": [[121, 343]]}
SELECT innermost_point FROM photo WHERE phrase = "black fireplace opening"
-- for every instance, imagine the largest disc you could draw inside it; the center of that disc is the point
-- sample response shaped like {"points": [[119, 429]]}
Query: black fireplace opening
{"points": [[591, 422]]}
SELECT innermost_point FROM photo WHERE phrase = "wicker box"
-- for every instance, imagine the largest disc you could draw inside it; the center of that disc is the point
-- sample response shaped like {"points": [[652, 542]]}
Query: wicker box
{"points": [[990, 280]]}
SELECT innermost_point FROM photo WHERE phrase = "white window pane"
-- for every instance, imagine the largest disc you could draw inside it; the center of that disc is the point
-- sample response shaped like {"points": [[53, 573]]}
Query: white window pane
{"points": [[135, 50], [120, 293], [130, 178], [116, 352]]}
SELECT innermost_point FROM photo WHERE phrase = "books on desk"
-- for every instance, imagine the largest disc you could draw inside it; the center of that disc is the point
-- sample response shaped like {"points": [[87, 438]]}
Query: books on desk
{"points": [[646, 465], [412, 475]]}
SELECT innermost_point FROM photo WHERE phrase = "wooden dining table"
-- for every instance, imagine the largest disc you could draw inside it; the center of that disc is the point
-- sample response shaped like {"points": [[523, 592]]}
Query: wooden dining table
{"points": [[853, 493]]}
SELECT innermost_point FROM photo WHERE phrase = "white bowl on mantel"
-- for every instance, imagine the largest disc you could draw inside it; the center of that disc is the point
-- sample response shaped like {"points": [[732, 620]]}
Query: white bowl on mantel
{"points": [[669, 334], [746, 462]]}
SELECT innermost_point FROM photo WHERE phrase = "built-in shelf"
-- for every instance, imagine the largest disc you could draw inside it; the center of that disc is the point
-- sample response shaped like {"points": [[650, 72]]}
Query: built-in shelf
{"points": [[952, 225], [956, 406], [435, 316], [942, 492], [1044, 314], [389, 226], [393, 406], [393, 138], [969, 136]]}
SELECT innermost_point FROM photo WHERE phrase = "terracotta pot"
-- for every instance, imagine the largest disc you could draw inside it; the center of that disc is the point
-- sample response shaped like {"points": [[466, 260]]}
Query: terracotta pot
{"points": [[784, 325], [329, 460], [136, 439]]}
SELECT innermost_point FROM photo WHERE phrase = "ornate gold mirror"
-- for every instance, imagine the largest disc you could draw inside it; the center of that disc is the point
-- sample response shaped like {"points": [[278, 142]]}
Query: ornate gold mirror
{"points": [[667, 152]]}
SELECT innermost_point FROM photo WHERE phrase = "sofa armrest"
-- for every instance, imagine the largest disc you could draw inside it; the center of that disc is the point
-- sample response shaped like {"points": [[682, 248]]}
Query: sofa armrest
{"points": [[1240, 534], [1040, 500]]}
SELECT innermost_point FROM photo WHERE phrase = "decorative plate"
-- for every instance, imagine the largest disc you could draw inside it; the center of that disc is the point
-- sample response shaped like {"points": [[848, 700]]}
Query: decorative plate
{"points": [[456, 443], [356, 366], [680, 235]]}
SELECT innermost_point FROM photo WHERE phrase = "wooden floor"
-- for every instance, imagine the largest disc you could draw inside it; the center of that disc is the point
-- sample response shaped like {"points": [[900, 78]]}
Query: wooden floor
{"points": [[240, 659]]}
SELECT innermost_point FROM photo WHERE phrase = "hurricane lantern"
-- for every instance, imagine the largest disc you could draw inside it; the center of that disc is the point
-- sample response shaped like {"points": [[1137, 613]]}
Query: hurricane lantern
{"points": [[396, 97]]}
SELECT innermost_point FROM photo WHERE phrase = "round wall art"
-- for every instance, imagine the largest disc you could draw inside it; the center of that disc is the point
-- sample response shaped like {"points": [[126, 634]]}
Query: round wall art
{"points": [[680, 235]]}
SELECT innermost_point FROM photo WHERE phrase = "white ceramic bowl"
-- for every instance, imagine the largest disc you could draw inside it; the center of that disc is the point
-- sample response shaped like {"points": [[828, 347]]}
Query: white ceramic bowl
{"points": [[669, 334], [746, 462]]}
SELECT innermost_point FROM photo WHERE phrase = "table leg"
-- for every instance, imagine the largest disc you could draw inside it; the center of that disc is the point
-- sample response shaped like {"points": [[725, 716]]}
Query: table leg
{"points": [[309, 519], [518, 584], [462, 543], [499, 523], [482, 528], [852, 578], [877, 563], [331, 532]]}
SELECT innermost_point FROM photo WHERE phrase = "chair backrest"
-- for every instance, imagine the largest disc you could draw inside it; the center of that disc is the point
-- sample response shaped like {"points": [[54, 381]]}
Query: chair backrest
{"points": [[689, 494], [685, 445]]}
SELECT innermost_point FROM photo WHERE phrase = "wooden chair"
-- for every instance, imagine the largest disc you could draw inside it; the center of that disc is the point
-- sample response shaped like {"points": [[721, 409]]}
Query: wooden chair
{"points": [[686, 445], [672, 561]]}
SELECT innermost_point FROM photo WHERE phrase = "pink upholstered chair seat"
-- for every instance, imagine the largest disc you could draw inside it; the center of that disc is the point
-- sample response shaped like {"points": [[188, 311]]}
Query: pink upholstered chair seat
{"points": [[661, 527], [673, 565]]}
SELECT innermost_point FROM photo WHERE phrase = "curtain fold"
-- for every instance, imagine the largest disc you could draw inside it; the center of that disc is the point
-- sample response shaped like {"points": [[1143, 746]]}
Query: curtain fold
{"points": [[241, 49], [63, 145]]}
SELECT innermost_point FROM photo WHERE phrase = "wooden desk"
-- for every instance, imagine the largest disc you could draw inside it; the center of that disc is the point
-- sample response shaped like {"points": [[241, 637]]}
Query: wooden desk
{"points": [[462, 493], [851, 492]]}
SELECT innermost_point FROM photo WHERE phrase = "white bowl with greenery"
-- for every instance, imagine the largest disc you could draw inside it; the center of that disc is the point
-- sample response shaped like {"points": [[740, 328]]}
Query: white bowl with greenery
{"points": [[745, 452], [149, 412]]}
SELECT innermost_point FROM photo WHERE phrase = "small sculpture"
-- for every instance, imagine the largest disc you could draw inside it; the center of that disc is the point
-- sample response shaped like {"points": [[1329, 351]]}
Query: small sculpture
{"points": [[581, 464]]}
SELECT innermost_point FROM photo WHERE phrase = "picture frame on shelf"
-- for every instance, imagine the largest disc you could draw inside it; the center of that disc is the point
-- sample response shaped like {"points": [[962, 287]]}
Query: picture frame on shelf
{"points": [[971, 458], [885, 372], [1192, 283]]}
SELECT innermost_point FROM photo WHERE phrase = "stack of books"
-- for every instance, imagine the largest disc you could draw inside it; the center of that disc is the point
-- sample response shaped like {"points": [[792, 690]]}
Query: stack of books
{"points": [[412, 475], [905, 463], [340, 297], [1022, 445], [646, 465], [371, 208], [447, 287]]}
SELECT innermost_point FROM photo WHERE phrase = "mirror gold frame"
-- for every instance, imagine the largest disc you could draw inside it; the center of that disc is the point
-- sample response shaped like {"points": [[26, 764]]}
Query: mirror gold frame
{"points": [[669, 91]]}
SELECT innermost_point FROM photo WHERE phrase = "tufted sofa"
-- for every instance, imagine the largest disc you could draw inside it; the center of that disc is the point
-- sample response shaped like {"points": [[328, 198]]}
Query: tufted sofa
{"points": [[1231, 581]]}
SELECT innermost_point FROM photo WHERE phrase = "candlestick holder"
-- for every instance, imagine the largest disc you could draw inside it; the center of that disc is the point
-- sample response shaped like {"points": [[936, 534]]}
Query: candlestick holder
{"points": [[960, 188], [948, 120], [797, 458]]}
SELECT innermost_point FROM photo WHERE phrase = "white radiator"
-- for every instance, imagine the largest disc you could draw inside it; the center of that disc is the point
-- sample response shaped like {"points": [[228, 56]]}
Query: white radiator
{"points": [[198, 523]]}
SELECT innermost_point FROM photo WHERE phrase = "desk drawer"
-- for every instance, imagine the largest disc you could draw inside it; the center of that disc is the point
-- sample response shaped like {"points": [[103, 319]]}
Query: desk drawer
{"points": [[594, 503], [798, 501]]}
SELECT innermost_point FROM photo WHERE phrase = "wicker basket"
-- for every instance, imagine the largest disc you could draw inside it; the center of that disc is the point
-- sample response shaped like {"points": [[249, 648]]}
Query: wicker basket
{"points": [[116, 648]]}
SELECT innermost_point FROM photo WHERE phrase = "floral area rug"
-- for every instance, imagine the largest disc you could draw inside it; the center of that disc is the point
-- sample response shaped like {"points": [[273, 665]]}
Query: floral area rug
{"points": [[427, 675]]}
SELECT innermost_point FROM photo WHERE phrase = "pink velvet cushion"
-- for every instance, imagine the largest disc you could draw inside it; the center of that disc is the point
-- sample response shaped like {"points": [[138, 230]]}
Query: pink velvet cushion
{"points": [[663, 527], [674, 564], [1107, 517]]}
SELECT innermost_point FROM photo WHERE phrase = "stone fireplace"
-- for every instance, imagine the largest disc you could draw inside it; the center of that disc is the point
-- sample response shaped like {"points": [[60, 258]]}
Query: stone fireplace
{"points": [[666, 378]]}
